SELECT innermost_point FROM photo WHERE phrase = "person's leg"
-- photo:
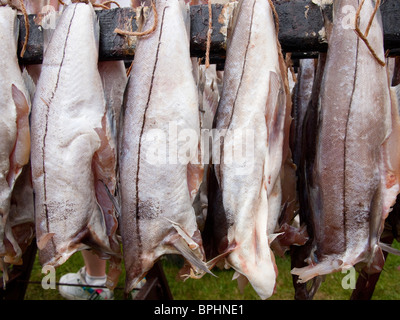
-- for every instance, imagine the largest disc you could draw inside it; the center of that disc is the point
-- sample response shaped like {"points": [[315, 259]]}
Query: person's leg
{"points": [[95, 266], [92, 278]]}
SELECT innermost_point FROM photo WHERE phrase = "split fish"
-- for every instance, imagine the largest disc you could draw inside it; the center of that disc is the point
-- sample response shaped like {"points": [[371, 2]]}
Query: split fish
{"points": [[73, 152], [255, 99], [355, 172], [14, 132], [160, 171]]}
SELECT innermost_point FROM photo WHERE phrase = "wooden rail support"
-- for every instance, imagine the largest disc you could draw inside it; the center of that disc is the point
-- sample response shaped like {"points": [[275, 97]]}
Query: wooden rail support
{"points": [[301, 30]]}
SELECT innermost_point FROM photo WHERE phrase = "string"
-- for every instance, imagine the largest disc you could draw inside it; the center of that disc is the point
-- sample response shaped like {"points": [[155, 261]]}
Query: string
{"points": [[362, 36], [144, 33]]}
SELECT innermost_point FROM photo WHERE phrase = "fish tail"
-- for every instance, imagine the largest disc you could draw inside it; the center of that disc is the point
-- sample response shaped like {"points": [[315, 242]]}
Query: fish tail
{"points": [[188, 253], [309, 272]]}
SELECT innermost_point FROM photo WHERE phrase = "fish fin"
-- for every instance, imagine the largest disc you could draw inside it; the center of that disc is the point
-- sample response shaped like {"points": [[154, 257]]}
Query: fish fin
{"points": [[20, 100], [273, 236], [29, 83], [179, 229], [186, 246], [214, 261], [322, 268], [210, 92], [389, 249], [296, 236], [113, 199], [21, 152], [274, 113], [195, 174], [41, 243], [183, 247]]}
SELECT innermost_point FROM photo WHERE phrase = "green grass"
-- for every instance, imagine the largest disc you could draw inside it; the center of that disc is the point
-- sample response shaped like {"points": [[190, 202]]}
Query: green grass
{"points": [[223, 288]]}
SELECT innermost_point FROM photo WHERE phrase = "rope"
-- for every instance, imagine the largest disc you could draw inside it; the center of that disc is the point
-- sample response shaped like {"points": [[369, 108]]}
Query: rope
{"points": [[275, 16], [106, 5], [363, 36], [144, 33]]}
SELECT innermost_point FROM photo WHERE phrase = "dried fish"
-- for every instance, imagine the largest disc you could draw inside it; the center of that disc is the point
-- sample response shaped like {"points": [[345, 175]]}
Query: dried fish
{"points": [[160, 173], [254, 101], [355, 172], [73, 153]]}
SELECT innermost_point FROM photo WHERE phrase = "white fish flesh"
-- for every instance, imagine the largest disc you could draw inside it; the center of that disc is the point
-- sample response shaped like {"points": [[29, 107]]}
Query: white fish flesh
{"points": [[14, 129], [253, 99], [73, 153]]}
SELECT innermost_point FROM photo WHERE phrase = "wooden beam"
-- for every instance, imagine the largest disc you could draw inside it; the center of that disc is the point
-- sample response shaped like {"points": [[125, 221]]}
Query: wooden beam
{"points": [[301, 31]]}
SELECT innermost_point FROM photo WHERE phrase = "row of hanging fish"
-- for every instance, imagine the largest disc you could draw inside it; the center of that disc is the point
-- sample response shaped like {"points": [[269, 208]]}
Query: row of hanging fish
{"points": [[127, 160]]}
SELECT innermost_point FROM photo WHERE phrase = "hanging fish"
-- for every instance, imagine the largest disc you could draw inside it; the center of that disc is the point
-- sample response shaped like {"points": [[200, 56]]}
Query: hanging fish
{"points": [[255, 102], [73, 153], [14, 132], [160, 171], [355, 172]]}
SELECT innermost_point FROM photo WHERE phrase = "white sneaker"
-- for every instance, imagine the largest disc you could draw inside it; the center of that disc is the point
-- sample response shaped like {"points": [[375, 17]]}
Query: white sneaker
{"points": [[77, 290]]}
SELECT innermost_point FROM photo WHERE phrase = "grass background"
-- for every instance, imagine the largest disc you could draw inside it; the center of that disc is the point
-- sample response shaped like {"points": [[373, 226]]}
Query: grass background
{"points": [[223, 288]]}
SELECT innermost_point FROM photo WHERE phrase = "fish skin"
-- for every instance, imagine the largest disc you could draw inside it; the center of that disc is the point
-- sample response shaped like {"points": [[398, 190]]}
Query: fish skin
{"points": [[71, 143], [349, 173], [14, 127], [157, 216], [305, 184], [21, 219], [254, 96], [301, 98]]}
